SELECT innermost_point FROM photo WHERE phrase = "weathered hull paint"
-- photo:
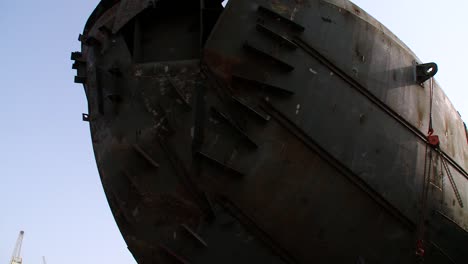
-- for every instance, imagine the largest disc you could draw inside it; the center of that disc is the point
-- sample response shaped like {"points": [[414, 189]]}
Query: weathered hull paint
{"points": [[271, 132]]}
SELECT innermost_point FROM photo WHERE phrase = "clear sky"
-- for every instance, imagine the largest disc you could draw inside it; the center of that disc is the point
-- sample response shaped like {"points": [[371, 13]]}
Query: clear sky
{"points": [[49, 185]]}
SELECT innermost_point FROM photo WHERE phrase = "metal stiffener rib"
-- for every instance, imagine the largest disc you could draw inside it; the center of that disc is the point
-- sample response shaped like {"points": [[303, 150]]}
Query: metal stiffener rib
{"points": [[276, 36], [145, 155], [275, 15], [250, 47], [262, 84], [231, 123]]}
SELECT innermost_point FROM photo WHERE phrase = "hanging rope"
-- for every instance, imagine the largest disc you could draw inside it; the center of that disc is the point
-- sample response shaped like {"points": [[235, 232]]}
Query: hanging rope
{"points": [[431, 146], [431, 97], [432, 139]]}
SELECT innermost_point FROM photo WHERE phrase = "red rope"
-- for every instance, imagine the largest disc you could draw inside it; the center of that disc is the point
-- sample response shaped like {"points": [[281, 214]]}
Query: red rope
{"points": [[431, 96], [433, 141]]}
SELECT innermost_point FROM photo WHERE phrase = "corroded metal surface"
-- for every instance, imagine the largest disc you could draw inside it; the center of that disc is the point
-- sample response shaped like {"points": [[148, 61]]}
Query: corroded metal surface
{"points": [[271, 132]]}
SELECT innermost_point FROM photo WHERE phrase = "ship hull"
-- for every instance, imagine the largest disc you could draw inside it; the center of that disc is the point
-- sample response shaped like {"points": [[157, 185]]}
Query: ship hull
{"points": [[271, 132]]}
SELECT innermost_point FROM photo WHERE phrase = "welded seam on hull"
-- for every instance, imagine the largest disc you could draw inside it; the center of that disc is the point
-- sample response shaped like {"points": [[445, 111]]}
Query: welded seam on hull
{"points": [[365, 92], [314, 146], [172, 254], [253, 227], [451, 221], [250, 109], [224, 117], [194, 235], [145, 155], [442, 252], [187, 181]]}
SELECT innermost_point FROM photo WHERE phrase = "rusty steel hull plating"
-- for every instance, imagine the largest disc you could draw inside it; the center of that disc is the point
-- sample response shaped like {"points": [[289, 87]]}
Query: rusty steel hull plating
{"points": [[271, 131]]}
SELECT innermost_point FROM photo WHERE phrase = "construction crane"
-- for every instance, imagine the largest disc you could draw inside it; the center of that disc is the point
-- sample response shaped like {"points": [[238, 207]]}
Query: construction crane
{"points": [[16, 257]]}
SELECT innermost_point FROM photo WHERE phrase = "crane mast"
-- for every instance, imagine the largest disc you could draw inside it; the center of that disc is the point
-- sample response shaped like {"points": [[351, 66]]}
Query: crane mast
{"points": [[16, 257]]}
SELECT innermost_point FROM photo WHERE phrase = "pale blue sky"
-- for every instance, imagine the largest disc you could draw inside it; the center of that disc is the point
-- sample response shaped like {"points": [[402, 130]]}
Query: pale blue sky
{"points": [[49, 185]]}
